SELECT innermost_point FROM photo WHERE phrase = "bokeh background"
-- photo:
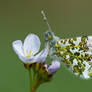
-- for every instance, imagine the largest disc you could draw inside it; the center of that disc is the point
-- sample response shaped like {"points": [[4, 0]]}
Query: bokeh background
{"points": [[18, 18]]}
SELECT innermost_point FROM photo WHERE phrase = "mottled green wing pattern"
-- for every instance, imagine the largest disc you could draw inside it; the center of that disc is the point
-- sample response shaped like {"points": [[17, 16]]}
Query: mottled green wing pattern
{"points": [[75, 53]]}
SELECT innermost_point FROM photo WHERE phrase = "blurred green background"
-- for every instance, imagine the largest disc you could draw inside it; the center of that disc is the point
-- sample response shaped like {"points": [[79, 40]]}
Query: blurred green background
{"points": [[18, 18]]}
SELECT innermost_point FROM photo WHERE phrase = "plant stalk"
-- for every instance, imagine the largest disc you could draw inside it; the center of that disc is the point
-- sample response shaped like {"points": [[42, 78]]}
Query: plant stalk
{"points": [[30, 79]]}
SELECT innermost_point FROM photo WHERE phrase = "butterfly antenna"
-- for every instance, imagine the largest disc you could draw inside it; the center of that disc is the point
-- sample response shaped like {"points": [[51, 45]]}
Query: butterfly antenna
{"points": [[45, 20]]}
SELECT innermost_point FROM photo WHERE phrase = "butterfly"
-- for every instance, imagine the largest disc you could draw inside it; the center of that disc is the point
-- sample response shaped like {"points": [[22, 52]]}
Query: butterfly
{"points": [[74, 53]]}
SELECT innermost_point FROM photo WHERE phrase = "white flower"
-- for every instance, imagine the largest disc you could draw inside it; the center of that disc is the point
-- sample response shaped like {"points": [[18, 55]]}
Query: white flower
{"points": [[55, 65], [27, 51]]}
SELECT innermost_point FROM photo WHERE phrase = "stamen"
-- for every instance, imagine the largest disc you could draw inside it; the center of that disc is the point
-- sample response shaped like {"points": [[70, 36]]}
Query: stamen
{"points": [[28, 54]]}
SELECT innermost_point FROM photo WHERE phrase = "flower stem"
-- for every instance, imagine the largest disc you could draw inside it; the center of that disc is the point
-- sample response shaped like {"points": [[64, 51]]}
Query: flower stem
{"points": [[33, 90], [31, 79]]}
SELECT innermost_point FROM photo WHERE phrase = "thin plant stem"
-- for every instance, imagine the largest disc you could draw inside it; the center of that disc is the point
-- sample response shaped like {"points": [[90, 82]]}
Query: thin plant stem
{"points": [[36, 82], [31, 79], [33, 82]]}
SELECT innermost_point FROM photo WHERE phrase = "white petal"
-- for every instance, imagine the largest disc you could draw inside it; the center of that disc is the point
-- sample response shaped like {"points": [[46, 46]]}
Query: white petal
{"points": [[31, 44], [26, 60], [18, 47], [41, 57], [54, 67]]}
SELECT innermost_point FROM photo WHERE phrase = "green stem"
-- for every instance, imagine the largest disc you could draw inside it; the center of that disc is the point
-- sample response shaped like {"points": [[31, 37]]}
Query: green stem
{"points": [[33, 90], [35, 86], [36, 83], [31, 79]]}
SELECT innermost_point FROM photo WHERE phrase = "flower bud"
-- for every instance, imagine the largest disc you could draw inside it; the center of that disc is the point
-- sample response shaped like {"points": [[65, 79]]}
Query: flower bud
{"points": [[55, 65]]}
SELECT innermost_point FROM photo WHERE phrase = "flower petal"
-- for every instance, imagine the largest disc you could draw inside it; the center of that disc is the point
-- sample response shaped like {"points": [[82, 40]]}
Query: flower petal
{"points": [[26, 60], [54, 67], [41, 57], [18, 47], [31, 44]]}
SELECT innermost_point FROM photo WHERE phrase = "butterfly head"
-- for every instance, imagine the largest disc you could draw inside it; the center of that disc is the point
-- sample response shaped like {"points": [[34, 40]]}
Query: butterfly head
{"points": [[48, 36]]}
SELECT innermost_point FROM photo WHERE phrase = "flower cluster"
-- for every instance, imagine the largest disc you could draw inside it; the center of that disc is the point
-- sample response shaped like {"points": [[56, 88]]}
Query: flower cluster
{"points": [[28, 54]]}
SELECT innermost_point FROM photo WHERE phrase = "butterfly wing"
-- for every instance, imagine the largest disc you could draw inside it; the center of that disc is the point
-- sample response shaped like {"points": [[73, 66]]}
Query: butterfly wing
{"points": [[75, 53]]}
